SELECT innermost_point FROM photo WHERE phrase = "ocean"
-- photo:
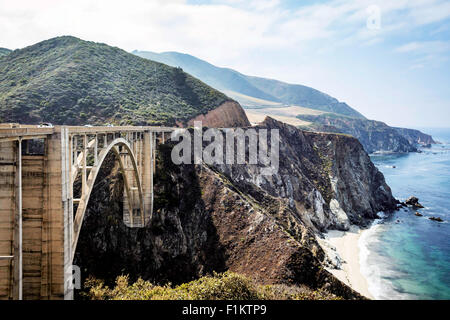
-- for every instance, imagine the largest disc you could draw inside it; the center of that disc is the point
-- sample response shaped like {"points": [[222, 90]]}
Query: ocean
{"points": [[404, 256]]}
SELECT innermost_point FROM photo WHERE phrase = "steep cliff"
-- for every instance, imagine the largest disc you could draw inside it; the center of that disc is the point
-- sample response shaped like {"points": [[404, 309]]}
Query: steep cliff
{"points": [[328, 179], [375, 136], [228, 217], [228, 115], [415, 136]]}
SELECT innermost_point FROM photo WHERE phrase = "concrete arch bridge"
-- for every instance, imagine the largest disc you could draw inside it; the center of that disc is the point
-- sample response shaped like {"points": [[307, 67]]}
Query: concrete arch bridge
{"points": [[40, 214]]}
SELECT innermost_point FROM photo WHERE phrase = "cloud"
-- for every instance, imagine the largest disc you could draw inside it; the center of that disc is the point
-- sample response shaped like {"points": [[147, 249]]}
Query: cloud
{"points": [[412, 46], [425, 53], [315, 44], [220, 29], [217, 31], [425, 47]]}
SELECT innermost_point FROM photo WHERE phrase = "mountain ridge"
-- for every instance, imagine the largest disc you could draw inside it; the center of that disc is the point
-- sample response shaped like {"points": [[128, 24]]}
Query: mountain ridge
{"points": [[258, 87], [336, 116], [66, 80]]}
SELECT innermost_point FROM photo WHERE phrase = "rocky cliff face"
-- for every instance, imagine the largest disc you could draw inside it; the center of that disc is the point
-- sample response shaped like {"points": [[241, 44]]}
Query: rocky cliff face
{"points": [[375, 136], [415, 136], [228, 115], [224, 217], [328, 179]]}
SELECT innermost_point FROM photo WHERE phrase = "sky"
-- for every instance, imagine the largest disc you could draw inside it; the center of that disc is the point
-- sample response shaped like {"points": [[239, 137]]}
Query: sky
{"points": [[387, 59]]}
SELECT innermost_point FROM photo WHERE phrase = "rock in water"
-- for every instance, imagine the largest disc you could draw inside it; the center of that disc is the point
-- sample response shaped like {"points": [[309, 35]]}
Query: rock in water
{"points": [[418, 214], [436, 219], [413, 201]]}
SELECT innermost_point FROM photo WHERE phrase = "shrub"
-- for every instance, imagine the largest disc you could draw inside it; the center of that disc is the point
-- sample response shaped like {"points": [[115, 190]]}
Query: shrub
{"points": [[224, 286]]}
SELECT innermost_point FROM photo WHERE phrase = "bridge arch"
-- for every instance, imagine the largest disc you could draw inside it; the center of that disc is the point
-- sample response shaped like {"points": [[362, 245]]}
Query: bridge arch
{"points": [[116, 147]]}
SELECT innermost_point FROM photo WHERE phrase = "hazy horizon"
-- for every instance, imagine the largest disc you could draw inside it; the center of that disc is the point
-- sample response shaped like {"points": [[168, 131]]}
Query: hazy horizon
{"points": [[387, 60]]}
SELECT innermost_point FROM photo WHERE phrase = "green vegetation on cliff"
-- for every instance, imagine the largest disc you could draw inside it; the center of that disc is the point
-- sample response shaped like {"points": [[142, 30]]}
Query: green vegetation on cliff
{"points": [[66, 80], [225, 286], [4, 52]]}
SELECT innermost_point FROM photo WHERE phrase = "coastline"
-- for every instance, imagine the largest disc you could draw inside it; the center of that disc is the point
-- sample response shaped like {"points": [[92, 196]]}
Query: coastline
{"points": [[342, 249]]}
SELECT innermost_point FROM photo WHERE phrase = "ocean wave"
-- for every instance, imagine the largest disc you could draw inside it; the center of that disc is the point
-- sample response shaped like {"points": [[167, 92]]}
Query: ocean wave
{"points": [[378, 270]]}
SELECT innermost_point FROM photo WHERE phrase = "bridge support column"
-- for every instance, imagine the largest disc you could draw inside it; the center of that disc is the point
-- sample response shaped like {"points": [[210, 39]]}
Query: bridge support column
{"points": [[56, 231], [18, 257], [140, 213], [8, 189], [34, 220], [147, 175]]}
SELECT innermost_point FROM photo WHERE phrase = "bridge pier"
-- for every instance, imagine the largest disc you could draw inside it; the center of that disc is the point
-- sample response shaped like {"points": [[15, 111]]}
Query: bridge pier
{"points": [[147, 173], [34, 213], [9, 276]]}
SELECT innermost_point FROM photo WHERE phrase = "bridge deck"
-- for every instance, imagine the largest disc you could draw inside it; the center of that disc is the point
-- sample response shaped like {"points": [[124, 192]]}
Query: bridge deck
{"points": [[10, 132]]}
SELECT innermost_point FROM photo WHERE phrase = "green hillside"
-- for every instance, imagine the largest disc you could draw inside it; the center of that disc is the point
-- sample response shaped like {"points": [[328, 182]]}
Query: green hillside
{"points": [[259, 88], [66, 80], [4, 51], [220, 78], [294, 94]]}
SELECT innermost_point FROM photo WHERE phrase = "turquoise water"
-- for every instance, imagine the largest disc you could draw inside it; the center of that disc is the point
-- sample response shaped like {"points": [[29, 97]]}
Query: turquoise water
{"points": [[405, 256]]}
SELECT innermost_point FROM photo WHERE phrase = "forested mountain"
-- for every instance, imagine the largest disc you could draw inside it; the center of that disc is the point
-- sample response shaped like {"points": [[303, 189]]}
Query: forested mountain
{"points": [[66, 80]]}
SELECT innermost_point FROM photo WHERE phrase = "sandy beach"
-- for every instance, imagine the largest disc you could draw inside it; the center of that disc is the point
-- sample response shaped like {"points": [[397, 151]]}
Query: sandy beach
{"points": [[343, 250]]}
